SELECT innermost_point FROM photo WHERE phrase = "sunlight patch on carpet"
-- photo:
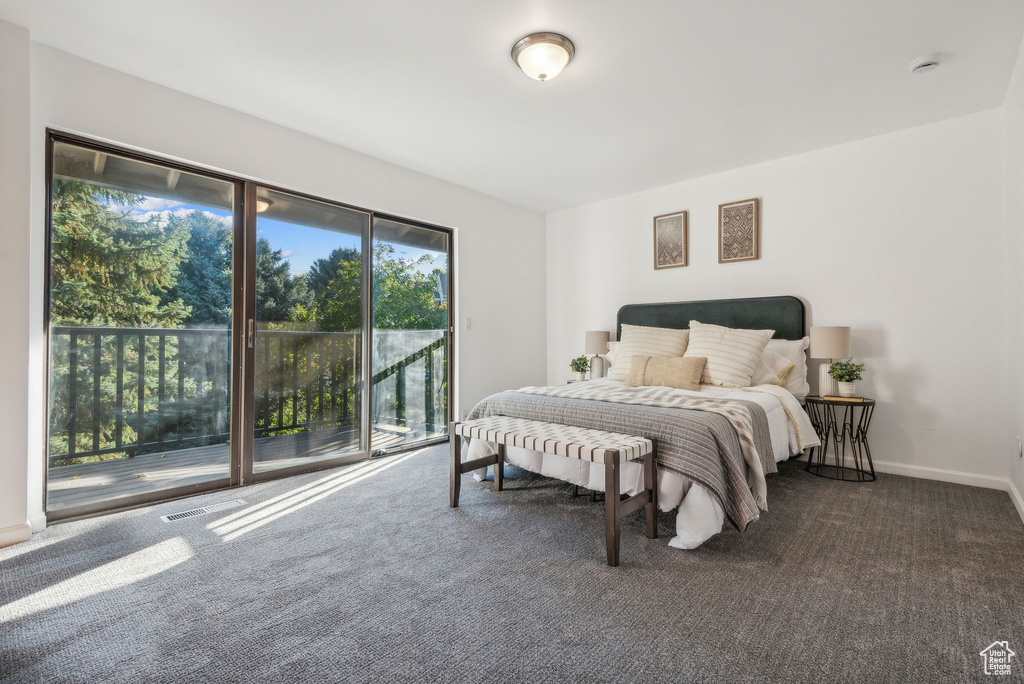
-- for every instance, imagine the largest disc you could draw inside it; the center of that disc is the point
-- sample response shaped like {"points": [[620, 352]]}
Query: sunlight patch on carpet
{"points": [[233, 526]]}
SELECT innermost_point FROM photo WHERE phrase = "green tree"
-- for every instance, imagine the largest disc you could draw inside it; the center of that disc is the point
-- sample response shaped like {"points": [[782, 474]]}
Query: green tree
{"points": [[335, 283], [403, 297], [204, 283], [280, 296], [107, 268]]}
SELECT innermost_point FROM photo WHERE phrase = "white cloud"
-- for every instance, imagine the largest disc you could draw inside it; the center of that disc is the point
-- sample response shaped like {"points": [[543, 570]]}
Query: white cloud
{"points": [[149, 204], [292, 252], [164, 215]]}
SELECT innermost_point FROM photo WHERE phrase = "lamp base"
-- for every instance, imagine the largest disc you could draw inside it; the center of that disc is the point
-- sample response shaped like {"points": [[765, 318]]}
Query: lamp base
{"points": [[594, 359], [827, 386]]}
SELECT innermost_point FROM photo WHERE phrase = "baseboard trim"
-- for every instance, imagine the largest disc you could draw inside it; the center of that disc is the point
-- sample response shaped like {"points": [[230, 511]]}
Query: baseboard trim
{"points": [[926, 473], [38, 522], [15, 534], [942, 475], [955, 476], [1015, 496]]}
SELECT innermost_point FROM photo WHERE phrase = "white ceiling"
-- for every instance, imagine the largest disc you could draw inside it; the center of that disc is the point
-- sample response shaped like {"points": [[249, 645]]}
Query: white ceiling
{"points": [[660, 90]]}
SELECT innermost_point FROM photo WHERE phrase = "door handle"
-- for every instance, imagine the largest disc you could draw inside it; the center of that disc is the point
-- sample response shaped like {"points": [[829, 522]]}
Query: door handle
{"points": [[251, 332]]}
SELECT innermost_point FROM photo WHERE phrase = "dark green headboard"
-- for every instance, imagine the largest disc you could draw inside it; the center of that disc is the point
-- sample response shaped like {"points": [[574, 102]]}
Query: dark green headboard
{"points": [[784, 315]]}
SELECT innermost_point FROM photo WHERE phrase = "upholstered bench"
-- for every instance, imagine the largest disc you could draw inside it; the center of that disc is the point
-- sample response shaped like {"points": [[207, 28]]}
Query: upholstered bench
{"points": [[610, 448]]}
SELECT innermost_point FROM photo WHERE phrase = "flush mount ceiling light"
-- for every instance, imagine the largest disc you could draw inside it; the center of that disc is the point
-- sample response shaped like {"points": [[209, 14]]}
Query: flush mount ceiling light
{"points": [[542, 56], [262, 205], [924, 64]]}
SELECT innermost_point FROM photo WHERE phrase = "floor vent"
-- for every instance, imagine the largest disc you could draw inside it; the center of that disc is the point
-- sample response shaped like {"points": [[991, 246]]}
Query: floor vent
{"points": [[212, 508]]}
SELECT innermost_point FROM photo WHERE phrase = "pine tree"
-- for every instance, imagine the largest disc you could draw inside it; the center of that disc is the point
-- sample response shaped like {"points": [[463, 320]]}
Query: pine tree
{"points": [[280, 297], [204, 283], [107, 268]]}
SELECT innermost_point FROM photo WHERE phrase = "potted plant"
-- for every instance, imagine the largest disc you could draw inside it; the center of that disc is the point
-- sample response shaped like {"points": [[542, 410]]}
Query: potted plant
{"points": [[580, 365], [846, 374]]}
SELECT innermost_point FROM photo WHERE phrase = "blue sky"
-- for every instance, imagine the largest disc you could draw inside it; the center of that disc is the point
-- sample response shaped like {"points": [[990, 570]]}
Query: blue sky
{"points": [[299, 245]]}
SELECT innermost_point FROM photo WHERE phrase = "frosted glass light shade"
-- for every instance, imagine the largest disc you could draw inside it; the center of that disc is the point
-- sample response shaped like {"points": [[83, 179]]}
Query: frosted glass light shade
{"points": [[830, 342], [542, 56]]}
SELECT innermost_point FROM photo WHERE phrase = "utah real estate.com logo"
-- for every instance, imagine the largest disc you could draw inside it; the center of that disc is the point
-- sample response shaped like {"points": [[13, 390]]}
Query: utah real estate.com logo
{"points": [[997, 658]]}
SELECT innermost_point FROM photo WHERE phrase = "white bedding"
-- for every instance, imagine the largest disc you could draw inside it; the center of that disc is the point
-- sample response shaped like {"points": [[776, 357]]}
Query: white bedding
{"points": [[700, 516]]}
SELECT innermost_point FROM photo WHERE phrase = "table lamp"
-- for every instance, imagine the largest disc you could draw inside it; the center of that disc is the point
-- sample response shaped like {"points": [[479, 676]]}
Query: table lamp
{"points": [[597, 344], [829, 343]]}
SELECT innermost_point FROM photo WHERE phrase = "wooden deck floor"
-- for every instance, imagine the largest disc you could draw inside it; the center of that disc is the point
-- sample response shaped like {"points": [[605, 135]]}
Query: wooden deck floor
{"points": [[86, 483]]}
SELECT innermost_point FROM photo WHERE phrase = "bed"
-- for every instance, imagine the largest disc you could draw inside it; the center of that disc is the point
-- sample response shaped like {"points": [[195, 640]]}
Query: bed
{"points": [[724, 440]]}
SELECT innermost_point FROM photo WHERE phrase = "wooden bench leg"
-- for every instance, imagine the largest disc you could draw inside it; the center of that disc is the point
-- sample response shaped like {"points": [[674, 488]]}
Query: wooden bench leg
{"points": [[611, 510], [456, 475], [499, 469], [651, 484]]}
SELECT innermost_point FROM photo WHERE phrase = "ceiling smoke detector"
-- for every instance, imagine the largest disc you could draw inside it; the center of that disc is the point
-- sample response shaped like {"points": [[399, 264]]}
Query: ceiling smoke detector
{"points": [[925, 64]]}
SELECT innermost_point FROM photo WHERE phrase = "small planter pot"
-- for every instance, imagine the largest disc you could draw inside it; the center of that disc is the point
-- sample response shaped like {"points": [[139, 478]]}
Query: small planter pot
{"points": [[581, 376], [847, 389]]}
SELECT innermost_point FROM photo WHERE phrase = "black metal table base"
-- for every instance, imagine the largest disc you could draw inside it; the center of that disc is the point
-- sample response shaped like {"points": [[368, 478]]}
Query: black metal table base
{"points": [[838, 425]]}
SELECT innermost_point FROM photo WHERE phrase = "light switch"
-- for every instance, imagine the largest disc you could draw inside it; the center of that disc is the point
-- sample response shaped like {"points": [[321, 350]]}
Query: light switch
{"points": [[469, 324]]}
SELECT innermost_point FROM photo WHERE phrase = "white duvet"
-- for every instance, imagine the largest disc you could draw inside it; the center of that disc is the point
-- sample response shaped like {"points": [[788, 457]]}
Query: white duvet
{"points": [[700, 516]]}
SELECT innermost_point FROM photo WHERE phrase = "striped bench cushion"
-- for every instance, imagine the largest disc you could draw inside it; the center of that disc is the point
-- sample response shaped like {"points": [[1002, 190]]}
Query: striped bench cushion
{"points": [[552, 438]]}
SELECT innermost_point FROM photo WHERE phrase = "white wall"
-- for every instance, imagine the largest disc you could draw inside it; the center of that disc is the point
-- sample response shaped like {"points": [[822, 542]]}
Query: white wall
{"points": [[14, 281], [504, 296], [1013, 130], [898, 236]]}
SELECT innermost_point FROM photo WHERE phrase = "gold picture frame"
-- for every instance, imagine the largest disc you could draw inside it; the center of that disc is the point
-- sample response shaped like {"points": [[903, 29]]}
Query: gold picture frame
{"points": [[739, 231], [671, 240]]}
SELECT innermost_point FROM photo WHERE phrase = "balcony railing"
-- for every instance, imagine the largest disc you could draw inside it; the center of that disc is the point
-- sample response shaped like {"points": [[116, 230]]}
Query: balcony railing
{"points": [[128, 391]]}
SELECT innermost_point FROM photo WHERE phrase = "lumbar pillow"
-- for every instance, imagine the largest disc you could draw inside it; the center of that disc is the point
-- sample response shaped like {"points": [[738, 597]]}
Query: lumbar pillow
{"points": [[732, 353], [773, 369], [639, 340], [661, 371], [795, 351]]}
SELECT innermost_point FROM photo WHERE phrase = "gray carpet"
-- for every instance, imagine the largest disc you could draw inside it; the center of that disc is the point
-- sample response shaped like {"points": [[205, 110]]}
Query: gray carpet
{"points": [[365, 574]]}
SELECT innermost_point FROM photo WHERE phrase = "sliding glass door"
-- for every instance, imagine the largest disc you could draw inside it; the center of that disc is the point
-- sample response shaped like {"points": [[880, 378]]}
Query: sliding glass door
{"points": [[308, 332], [139, 322], [205, 331], [411, 324]]}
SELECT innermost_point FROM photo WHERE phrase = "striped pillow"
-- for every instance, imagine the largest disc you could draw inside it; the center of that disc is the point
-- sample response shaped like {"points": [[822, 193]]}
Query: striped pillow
{"points": [[639, 340], [732, 354]]}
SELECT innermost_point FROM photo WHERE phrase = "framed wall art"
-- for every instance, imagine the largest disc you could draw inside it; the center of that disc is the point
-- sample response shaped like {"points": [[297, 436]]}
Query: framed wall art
{"points": [[671, 237], [739, 228]]}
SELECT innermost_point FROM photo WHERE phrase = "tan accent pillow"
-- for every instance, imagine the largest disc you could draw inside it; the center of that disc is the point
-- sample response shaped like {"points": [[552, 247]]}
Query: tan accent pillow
{"points": [[666, 371], [642, 340]]}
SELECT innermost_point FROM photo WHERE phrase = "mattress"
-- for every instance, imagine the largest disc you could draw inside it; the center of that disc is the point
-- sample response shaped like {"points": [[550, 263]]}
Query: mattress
{"points": [[700, 515]]}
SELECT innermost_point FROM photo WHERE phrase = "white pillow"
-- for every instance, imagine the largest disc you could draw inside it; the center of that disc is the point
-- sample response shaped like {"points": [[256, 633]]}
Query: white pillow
{"points": [[611, 352], [795, 351], [732, 353], [640, 340], [772, 369]]}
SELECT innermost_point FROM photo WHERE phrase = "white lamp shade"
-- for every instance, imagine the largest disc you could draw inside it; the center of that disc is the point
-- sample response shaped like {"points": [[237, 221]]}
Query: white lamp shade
{"points": [[830, 342], [597, 341]]}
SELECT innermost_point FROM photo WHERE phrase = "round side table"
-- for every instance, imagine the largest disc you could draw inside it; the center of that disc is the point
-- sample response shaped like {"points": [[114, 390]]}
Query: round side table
{"points": [[839, 423]]}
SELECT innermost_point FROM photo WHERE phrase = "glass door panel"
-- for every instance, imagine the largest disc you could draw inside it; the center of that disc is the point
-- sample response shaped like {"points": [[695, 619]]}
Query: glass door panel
{"points": [[140, 311], [410, 342], [307, 348]]}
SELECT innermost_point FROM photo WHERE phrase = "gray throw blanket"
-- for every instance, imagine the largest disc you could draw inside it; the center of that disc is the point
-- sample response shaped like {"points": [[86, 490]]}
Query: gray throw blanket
{"points": [[695, 437]]}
